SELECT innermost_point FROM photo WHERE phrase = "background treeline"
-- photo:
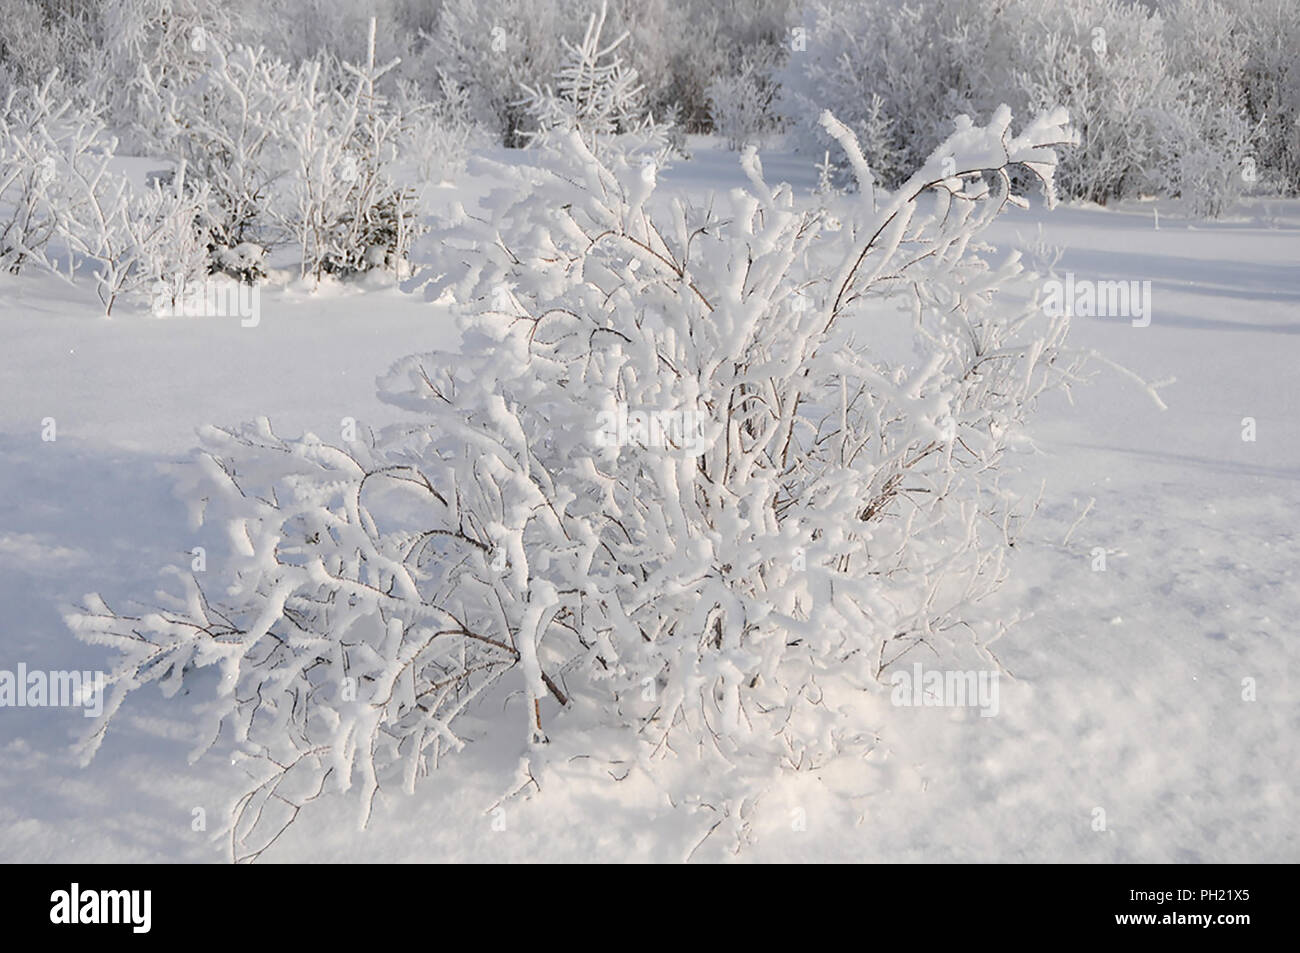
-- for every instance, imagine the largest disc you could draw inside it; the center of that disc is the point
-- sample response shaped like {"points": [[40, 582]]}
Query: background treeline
{"points": [[289, 124]]}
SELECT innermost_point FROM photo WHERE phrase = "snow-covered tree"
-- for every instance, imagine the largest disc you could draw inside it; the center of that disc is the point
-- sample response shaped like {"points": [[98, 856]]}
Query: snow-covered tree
{"points": [[1105, 61], [682, 47], [596, 94], [491, 51], [1272, 81], [29, 46], [889, 72]]}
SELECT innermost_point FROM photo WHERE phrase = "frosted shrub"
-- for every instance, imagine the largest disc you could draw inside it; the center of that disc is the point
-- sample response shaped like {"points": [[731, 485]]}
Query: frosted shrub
{"points": [[492, 50], [1205, 141], [29, 47], [1106, 62], [343, 205], [1205, 153], [677, 46], [303, 154], [231, 126], [61, 206], [437, 135], [682, 47], [145, 47], [894, 74], [670, 481], [1272, 86], [42, 136], [742, 106], [171, 225], [135, 240]]}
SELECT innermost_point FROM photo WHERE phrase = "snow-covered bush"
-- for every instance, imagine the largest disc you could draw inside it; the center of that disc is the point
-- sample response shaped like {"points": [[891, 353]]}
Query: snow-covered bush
{"points": [[302, 154], [1272, 85], [231, 127], [29, 48], [145, 47], [895, 73], [310, 154], [677, 46], [682, 47], [492, 50], [890, 72], [42, 137], [438, 134], [135, 240], [171, 223], [1106, 62], [1204, 138], [302, 30], [742, 106], [62, 206], [676, 467], [343, 205]]}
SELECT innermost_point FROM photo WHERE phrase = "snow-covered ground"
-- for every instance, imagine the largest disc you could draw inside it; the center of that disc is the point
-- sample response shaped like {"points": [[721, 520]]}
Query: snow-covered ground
{"points": [[1129, 694]]}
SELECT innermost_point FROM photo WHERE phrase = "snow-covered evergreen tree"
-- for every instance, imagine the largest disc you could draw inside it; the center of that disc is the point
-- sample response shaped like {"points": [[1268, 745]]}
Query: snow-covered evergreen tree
{"points": [[596, 94]]}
